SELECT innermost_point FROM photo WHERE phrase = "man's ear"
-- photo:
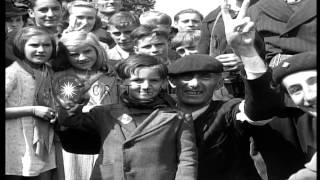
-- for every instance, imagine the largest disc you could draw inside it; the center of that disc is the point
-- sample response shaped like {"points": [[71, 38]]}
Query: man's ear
{"points": [[172, 82], [31, 13], [219, 84]]}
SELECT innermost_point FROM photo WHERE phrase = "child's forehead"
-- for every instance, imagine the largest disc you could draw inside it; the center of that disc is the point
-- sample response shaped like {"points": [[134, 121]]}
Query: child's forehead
{"points": [[79, 47], [122, 27], [14, 17], [140, 72]]}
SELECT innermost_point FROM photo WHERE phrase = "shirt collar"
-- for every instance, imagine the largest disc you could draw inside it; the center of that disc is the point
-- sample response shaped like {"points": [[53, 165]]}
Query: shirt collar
{"points": [[198, 112]]}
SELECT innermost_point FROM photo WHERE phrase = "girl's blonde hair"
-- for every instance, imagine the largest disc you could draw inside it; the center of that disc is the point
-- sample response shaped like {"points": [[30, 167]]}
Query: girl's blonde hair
{"points": [[89, 5], [80, 38]]}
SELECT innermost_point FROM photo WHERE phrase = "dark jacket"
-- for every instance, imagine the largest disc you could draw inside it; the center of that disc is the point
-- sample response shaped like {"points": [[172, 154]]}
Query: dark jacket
{"points": [[219, 46], [287, 142], [223, 140], [10, 57], [161, 147], [284, 30], [217, 37]]}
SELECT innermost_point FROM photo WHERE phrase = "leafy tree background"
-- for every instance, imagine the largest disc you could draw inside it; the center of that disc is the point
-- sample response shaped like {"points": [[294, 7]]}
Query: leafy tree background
{"points": [[138, 6]]}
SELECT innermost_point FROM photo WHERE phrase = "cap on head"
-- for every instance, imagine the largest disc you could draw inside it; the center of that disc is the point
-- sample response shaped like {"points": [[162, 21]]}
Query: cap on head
{"points": [[296, 63], [12, 10], [195, 63]]}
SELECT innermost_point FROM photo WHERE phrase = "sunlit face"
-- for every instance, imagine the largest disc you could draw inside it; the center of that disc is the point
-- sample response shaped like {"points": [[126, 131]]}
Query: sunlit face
{"points": [[188, 21], [153, 45], [122, 36], [14, 23], [196, 89], [145, 84], [38, 49], [82, 57], [302, 88], [47, 13], [109, 6], [82, 18], [186, 49]]}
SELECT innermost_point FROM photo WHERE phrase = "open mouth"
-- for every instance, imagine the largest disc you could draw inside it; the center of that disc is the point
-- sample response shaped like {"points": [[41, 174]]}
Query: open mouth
{"points": [[193, 92]]}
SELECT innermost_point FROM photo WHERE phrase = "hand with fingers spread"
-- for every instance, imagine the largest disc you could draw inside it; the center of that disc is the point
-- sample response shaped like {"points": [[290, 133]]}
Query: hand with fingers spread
{"points": [[239, 31]]}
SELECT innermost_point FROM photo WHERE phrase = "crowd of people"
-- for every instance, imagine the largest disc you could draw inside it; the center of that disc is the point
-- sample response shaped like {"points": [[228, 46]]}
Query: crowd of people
{"points": [[95, 92]]}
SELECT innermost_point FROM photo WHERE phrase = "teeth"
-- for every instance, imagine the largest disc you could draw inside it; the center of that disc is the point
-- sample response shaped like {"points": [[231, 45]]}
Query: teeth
{"points": [[194, 92]]}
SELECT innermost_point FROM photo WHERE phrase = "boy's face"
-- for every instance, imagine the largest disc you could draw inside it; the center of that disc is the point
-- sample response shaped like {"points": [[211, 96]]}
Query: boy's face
{"points": [[122, 36], [188, 21], [152, 45], [186, 49], [47, 13], [82, 18], [145, 84], [302, 88], [109, 6], [196, 89], [14, 23]]}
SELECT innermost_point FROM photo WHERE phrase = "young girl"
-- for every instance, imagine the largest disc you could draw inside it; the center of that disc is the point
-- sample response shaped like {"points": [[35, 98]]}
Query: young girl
{"points": [[141, 136], [83, 17], [88, 64], [30, 150]]}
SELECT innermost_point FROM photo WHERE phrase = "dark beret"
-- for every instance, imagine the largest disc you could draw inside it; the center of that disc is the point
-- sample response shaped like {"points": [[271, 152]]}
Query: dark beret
{"points": [[296, 63], [195, 63]]}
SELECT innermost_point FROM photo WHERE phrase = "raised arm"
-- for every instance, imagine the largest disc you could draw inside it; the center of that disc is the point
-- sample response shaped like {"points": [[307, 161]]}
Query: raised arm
{"points": [[261, 100]]}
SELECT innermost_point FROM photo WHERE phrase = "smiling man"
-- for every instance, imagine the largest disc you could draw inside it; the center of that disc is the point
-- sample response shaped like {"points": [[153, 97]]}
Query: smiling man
{"points": [[222, 128], [46, 13]]}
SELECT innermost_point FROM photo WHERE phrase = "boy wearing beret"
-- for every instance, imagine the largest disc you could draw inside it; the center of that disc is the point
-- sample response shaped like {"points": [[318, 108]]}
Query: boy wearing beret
{"points": [[223, 127]]}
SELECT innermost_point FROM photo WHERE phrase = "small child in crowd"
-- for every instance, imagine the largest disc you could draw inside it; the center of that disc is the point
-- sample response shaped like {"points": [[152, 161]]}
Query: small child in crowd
{"points": [[88, 63], [120, 26], [186, 42]]}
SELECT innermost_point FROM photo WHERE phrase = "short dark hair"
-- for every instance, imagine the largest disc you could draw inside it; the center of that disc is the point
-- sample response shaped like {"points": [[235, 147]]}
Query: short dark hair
{"points": [[176, 17], [147, 30], [24, 34], [32, 3], [125, 68]]}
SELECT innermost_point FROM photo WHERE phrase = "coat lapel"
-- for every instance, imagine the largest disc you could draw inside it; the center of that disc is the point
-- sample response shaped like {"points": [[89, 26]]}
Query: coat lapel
{"points": [[277, 9], [153, 121], [305, 13]]}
